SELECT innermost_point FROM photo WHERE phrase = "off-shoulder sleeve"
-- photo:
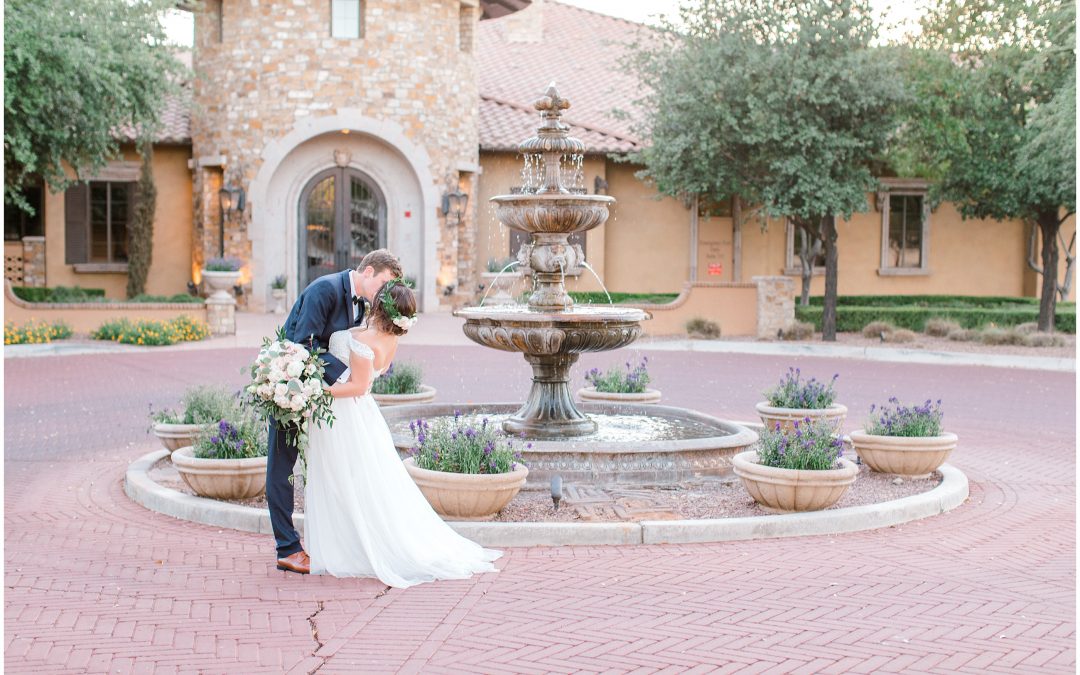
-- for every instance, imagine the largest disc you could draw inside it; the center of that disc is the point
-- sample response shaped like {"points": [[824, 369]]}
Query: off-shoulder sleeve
{"points": [[361, 349]]}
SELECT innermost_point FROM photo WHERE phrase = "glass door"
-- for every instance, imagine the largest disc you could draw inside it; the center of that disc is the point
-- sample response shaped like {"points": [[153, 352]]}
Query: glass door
{"points": [[342, 219]]}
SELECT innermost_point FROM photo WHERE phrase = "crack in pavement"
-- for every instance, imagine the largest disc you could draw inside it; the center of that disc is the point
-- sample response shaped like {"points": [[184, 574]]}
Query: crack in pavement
{"points": [[315, 636]]}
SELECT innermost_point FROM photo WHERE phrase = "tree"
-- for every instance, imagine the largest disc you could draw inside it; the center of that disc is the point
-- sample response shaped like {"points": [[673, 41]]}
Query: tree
{"points": [[141, 232], [783, 103], [1001, 136], [74, 74]]}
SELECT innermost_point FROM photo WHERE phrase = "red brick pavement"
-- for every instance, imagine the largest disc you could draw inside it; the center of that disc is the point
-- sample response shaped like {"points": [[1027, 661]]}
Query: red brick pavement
{"points": [[95, 583]]}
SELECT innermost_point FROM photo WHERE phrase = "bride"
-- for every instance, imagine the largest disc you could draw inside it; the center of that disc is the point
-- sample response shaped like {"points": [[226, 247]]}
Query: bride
{"points": [[365, 517]]}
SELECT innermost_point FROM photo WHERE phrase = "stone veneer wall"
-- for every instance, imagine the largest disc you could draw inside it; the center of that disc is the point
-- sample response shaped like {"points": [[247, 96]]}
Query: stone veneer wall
{"points": [[776, 304], [276, 64], [33, 262]]}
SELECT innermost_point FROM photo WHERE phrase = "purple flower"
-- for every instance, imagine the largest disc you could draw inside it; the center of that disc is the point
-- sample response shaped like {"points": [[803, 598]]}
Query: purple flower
{"points": [[215, 440], [420, 438]]}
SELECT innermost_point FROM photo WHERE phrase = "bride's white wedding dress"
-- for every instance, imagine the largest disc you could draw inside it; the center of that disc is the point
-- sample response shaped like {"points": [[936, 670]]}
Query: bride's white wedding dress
{"points": [[364, 515]]}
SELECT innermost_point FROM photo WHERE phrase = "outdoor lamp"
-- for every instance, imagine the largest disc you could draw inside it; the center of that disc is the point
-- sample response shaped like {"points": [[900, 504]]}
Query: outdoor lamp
{"points": [[231, 200], [453, 206]]}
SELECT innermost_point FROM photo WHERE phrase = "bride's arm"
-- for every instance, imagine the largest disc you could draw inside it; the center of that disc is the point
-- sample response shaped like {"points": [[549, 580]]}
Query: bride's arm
{"points": [[361, 372]]}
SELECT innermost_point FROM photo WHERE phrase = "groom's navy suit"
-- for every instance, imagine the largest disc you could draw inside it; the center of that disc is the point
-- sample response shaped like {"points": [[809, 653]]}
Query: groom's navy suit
{"points": [[323, 308]]}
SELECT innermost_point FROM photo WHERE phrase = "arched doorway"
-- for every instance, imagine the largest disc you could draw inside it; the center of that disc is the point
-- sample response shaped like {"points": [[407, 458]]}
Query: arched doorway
{"points": [[342, 218]]}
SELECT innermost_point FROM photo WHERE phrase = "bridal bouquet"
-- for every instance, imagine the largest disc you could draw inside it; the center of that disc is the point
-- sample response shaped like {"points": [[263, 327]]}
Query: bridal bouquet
{"points": [[287, 386]]}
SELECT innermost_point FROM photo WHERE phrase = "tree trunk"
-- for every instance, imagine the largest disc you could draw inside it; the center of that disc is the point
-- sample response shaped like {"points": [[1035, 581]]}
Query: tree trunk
{"points": [[828, 315], [141, 229], [736, 238], [808, 253], [1049, 223]]}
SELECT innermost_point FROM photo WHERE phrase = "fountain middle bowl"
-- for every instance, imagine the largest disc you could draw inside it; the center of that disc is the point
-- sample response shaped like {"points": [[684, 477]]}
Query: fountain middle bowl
{"points": [[634, 444], [552, 212], [519, 328]]}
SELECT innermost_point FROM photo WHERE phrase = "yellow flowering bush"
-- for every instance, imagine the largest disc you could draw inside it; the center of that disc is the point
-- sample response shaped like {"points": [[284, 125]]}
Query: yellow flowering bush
{"points": [[152, 333], [35, 332]]}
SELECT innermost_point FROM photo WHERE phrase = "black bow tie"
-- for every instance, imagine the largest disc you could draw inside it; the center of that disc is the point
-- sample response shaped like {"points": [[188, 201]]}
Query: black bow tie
{"points": [[357, 300]]}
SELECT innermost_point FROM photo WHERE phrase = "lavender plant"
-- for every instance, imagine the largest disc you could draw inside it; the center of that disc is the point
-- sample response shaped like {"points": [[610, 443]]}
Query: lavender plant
{"points": [[793, 392], [241, 437], [632, 380], [223, 264], [398, 379], [807, 445], [899, 420], [463, 445]]}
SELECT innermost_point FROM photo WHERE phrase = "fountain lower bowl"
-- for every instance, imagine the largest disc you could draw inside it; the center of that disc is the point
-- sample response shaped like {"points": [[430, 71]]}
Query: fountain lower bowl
{"points": [[634, 445]]}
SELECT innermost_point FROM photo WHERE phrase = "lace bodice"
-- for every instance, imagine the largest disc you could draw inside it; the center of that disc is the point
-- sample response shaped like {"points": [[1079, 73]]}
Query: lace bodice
{"points": [[342, 343]]}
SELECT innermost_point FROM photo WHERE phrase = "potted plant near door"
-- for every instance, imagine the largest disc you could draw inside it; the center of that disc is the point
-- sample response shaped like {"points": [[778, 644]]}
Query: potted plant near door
{"points": [[620, 385], [466, 467], [800, 468], [797, 399], [228, 459], [908, 441], [277, 292], [199, 407], [400, 385], [220, 275]]}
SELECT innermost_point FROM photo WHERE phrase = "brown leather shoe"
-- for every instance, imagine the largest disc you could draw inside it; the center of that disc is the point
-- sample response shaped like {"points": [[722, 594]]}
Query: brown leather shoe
{"points": [[298, 562]]}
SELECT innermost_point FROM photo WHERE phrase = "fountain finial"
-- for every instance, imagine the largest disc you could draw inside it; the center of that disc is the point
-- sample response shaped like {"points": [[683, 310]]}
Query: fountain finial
{"points": [[551, 106]]}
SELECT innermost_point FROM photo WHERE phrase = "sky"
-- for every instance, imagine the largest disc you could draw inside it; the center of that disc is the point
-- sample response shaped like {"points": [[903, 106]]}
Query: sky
{"points": [[179, 24]]}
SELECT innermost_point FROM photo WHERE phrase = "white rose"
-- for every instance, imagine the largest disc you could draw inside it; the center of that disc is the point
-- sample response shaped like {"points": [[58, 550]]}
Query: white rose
{"points": [[266, 390], [281, 401], [295, 369], [276, 375], [281, 390]]}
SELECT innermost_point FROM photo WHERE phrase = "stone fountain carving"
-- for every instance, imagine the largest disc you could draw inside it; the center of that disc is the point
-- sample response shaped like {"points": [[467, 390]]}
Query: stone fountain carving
{"points": [[550, 331]]}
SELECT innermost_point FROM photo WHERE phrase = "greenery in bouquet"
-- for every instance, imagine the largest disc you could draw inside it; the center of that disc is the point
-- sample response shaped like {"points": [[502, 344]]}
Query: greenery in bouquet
{"points": [[241, 435], [627, 380], [287, 387], [807, 444], [402, 378], [899, 420], [794, 392], [200, 405], [468, 445]]}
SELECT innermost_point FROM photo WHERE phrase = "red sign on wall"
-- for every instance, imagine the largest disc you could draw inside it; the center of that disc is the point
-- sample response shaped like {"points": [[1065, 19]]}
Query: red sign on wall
{"points": [[716, 269]]}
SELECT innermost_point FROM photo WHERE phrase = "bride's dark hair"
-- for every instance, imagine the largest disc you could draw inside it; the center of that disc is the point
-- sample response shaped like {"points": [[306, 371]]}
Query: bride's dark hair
{"points": [[404, 304]]}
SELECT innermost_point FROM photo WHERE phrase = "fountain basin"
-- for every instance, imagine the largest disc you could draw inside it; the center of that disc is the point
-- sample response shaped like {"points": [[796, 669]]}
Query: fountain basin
{"points": [[633, 445], [556, 212], [519, 328]]}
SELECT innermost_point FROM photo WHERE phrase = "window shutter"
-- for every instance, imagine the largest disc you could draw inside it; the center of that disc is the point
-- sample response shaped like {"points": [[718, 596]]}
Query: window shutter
{"points": [[76, 223]]}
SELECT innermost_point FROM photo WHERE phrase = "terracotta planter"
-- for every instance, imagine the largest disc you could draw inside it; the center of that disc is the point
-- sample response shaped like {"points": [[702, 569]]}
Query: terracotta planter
{"points": [[786, 417], [221, 478], [790, 490], [590, 394], [425, 395], [903, 455], [174, 436], [463, 496]]}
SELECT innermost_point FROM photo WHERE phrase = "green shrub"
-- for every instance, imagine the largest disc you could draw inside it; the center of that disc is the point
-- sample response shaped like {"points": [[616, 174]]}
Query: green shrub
{"points": [[463, 445], [702, 328], [633, 380], [797, 330], [955, 301], [808, 445], [200, 405], [940, 327], [35, 332], [59, 294], [177, 298], [853, 319], [240, 435], [398, 379], [600, 298], [152, 333]]}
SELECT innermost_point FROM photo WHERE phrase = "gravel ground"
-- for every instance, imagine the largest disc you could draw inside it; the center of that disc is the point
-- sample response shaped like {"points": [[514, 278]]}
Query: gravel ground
{"points": [[708, 498]]}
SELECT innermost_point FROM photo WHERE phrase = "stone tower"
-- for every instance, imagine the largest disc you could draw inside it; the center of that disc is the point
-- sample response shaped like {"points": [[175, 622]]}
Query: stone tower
{"points": [[344, 122]]}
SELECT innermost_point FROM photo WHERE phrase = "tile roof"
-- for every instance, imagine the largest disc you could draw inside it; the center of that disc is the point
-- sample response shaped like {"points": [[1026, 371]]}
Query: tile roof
{"points": [[579, 50], [175, 121]]}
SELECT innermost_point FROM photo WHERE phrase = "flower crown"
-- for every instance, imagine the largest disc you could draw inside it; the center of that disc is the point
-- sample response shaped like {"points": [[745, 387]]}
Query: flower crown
{"points": [[386, 300]]}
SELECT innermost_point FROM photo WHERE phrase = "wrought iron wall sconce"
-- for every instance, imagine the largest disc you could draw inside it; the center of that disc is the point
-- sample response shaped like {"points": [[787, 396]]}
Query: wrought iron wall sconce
{"points": [[232, 201]]}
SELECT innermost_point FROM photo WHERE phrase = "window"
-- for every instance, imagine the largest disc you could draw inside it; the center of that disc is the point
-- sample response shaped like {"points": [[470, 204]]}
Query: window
{"points": [[345, 19], [19, 223], [793, 263], [905, 224], [96, 221]]}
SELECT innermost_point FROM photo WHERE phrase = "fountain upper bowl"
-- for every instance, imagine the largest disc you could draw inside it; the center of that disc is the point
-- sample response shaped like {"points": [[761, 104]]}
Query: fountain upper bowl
{"points": [[552, 212]]}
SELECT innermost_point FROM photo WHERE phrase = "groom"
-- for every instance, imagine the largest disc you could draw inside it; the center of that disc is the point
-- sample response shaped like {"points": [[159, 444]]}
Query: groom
{"points": [[330, 303]]}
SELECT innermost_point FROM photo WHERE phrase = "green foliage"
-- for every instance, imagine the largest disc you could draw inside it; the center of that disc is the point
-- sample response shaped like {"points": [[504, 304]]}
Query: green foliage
{"points": [[973, 301], [797, 330], [152, 333], [223, 264], [140, 234], [702, 328], [899, 420], [853, 318], [794, 392], [74, 74], [59, 294], [35, 332], [402, 378], [463, 445], [279, 282], [631, 380], [238, 435], [601, 298], [200, 405], [179, 298], [808, 445]]}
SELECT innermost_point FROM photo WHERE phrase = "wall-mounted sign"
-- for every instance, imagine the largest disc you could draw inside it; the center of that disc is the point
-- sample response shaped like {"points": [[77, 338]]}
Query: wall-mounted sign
{"points": [[716, 269]]}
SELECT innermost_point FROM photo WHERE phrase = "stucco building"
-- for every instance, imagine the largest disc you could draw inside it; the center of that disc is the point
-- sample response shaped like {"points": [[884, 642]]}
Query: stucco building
{"points": [[352, 124]]}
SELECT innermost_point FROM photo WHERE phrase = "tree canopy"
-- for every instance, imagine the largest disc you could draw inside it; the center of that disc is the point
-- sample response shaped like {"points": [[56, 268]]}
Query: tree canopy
{"points": [[75, 73]]}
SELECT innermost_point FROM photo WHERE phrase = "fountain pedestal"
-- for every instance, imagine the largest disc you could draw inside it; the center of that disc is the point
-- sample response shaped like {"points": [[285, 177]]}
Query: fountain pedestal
{"points": [[549, 412]]}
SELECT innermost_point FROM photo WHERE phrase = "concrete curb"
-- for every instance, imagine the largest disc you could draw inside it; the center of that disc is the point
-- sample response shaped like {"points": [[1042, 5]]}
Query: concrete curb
{"points": [[884, 354], [952, 492]]}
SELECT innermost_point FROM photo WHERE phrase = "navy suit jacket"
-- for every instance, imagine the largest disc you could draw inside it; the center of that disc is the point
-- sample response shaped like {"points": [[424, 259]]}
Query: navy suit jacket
{"points": [[323, 308]]}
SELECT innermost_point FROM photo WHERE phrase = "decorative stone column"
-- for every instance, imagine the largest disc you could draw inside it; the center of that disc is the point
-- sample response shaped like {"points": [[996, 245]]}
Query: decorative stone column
{"points": [[221, 315], [775, 304], [34, 261]]}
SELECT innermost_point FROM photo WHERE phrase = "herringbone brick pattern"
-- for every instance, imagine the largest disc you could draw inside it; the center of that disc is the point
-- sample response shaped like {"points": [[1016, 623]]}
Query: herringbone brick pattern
{"points": [[95, 583]]}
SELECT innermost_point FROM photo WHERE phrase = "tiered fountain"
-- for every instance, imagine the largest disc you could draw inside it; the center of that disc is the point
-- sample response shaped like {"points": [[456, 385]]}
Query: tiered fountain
{"points": [[594, 443]]}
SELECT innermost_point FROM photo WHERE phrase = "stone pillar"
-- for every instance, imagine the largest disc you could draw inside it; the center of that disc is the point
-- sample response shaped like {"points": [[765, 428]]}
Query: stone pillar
{"points": [[34, 261], [775, 305], [221, 315]]}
